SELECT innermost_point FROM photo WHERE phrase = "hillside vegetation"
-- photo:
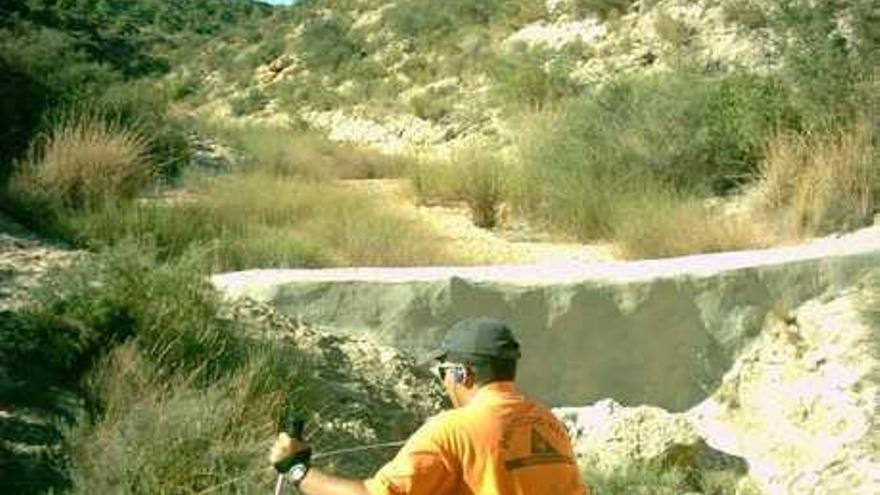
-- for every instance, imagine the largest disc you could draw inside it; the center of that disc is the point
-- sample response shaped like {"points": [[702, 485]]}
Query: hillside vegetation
{"points": [[612, 119], [631, 131]]}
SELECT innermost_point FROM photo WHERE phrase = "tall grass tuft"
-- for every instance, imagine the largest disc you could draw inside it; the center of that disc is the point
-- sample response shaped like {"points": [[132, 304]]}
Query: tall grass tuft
{"points": [[824, 181], [84, 162], [484, 185], [434, 181]]}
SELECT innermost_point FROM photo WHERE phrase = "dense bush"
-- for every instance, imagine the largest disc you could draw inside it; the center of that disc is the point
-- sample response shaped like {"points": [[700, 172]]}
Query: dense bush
{"points": [[141, 106], [429, 22], [831, 52], [822, 182], [484, 185], [55, 54], [694, 133], [326, 44]]}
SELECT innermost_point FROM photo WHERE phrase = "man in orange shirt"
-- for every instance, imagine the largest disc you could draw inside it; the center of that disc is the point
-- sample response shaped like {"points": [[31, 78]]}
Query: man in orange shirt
{"points": [[494, 442]]}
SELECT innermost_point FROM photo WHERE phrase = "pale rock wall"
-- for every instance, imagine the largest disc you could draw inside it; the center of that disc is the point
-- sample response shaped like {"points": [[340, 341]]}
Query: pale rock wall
{"points": [[650, 332]]}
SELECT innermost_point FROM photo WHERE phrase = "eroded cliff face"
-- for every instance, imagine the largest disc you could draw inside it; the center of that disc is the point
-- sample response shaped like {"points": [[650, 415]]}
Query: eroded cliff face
{"points": [[661, 332], [799, 407], [801, 403]]}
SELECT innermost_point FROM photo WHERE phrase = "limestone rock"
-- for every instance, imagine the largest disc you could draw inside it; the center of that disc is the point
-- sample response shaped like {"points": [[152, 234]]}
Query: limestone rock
{"points": [[609, 436], [801, 403]]}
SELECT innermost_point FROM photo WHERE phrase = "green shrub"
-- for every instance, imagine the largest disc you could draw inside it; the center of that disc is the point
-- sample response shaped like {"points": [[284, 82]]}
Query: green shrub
{"points": [[253, 101], [532, 77], [142, 106], [673, 31], [605, 9], [309, 91], [434, 181], [749, 13], [41, 69], [869, 305], [830, 65], [327, 44], [691, 133], [429, 22], [649, 479], [432, 105]]}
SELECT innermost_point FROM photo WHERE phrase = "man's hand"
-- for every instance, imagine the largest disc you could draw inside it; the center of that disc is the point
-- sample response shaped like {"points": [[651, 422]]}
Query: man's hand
{"points": [[288, 451]]}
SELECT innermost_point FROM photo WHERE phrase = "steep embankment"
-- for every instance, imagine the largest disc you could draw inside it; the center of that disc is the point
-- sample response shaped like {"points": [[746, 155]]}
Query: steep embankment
{"points": [[767, 355]]}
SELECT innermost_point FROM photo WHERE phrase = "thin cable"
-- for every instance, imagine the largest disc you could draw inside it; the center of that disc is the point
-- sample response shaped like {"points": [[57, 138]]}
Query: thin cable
{"points": [[350, 450], [322, 455]]}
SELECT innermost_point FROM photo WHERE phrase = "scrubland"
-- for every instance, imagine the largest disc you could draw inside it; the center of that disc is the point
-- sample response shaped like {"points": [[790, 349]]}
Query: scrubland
{"points": [[153, 392]]}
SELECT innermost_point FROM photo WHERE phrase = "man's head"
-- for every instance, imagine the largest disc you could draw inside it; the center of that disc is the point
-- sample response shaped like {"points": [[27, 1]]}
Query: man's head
{"points": [[475, 352]]}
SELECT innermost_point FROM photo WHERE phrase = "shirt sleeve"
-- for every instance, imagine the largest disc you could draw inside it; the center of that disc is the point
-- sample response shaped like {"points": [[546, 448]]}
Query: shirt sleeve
{"points": [[423, 466]]}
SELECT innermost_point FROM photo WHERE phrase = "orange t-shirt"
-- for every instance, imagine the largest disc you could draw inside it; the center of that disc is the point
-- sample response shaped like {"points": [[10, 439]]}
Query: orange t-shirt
{"points": [[500, 443]]}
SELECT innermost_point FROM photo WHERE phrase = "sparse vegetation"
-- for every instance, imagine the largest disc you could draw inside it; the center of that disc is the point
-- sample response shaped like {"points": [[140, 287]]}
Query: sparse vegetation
{"points": [[533, 78], [605, 9], [649, 479]]}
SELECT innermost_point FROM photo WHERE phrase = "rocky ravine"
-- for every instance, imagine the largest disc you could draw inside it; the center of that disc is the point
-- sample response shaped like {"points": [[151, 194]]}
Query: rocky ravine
{"points": [[795, 401]]}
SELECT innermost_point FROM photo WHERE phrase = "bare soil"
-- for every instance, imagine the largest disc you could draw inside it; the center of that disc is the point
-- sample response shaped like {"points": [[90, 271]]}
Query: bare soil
{"points": [[514, 241]]}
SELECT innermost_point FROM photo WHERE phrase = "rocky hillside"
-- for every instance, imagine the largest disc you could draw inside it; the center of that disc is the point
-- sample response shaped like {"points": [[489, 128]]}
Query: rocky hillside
{"points": [[403, 75]]}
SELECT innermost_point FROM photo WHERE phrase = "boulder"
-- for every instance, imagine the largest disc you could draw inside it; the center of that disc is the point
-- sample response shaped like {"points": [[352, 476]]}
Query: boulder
{"points": [[801, 403], [609, 437]]}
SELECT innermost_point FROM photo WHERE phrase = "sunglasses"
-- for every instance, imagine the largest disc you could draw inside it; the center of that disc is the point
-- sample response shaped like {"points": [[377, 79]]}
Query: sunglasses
{"points": [[440, 369]]}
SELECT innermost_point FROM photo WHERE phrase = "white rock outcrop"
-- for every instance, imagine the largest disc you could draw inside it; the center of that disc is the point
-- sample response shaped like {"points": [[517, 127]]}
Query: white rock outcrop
{"points": [[799, 406]]}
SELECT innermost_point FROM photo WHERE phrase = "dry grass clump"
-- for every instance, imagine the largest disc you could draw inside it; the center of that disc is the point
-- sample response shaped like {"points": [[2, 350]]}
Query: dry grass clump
{"points": [[483, 185], [661, 223], [86, 161], [822, 182], [479, 178]]}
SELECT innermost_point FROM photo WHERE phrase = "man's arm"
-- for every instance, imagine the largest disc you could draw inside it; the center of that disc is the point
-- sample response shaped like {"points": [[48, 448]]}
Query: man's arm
{"points": [[318, 483], [315, 482]]}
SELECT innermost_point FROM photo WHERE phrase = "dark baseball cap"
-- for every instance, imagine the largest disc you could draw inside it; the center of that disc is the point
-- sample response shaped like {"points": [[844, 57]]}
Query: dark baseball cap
{"points": [[477, 338]]}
